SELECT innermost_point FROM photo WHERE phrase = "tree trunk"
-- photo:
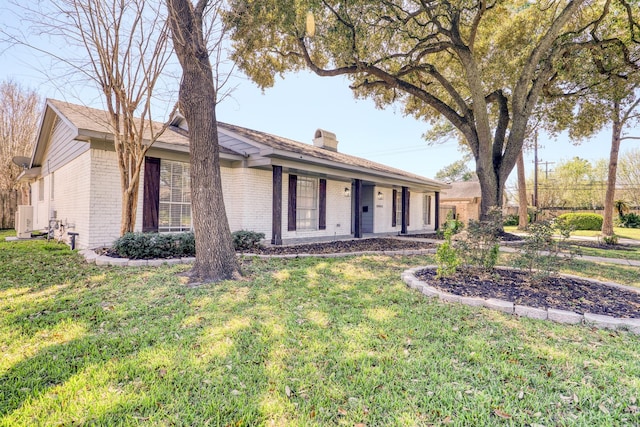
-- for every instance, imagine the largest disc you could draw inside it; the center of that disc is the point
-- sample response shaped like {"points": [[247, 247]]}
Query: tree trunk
{"points": [[523, 203], [607, 223], [129, 206], [130, 188], [215, 255], [491, 190]]}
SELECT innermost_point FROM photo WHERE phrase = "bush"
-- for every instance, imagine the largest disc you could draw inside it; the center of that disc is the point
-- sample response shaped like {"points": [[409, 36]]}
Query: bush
{"points": [[630, 220], [155, 245], [446, 256], [246, 240], [511, 220], [479, 246], [582, 221], [541, 254]]}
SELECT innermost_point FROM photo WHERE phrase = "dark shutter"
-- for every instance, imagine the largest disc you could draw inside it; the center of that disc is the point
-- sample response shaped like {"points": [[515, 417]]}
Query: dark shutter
{"points": [[404, 199], [393, 207], [408, 206], [322, 209], [293, 187], [151, 202]]}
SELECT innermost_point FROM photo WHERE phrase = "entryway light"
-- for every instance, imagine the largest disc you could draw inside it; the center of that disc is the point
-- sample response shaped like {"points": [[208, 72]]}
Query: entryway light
{"points": [[347, 192], [380, 195]]}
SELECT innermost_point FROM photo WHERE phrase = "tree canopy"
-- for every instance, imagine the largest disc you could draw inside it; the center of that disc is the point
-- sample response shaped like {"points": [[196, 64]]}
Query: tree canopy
{"points": [[480, 65]]}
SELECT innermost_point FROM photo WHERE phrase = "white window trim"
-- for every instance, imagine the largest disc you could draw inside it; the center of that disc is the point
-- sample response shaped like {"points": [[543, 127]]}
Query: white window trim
{"points": [[173, 228], [301, 223]]}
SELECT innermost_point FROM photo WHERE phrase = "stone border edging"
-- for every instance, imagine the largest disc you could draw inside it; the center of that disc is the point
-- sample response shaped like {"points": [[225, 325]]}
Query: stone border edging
{"points": [[555, 315], [93, 258]]}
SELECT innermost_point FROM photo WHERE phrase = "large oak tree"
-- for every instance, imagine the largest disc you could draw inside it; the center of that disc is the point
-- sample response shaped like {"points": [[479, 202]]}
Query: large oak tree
{"points": [[215, 255], [480, 65]]}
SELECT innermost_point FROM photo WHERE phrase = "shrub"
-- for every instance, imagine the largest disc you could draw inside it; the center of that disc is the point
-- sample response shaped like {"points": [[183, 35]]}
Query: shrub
{"points": [[630, 220], [582, 221], [541, 254], [480, 245], [446, 256], [511, 220], [609, 240], [452, 225], [246, 240], [155, 245]]}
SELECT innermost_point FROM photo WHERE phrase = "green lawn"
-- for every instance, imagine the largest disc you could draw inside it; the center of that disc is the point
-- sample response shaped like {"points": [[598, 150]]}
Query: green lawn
{"points": [[627, 233], [298, 342], [631, 253]]}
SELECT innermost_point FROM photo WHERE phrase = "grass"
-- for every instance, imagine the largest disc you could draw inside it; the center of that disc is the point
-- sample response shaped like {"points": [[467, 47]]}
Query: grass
{"points": [[630, 253], [298, 342], [627, 233]]}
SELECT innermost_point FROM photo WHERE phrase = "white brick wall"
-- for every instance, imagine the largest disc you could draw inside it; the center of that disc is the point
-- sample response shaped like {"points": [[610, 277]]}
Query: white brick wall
{"points": [[93, 204], [383, 215], [106, 200], [72, 198], [338, 212]]}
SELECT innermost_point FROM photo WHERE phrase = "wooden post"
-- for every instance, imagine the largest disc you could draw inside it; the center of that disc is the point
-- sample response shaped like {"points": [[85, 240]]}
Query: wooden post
{"points": [[436, 214], [276, 209], [405, 210], [357, 227]]}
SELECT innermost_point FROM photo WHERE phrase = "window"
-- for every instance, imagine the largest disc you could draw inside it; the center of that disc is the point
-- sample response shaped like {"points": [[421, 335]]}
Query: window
{"points": [[175, 196], [426, 210], [41, 190], [306, 204], [51, 187]]}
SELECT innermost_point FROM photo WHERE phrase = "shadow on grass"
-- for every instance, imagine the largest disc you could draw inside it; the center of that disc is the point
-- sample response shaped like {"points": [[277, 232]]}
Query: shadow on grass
{"points": [[308, 341]]}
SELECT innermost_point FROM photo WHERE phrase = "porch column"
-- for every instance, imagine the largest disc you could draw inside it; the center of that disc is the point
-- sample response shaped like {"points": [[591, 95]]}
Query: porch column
{"points": [[357, 218], [405, 210], [436, 213], [276, 207]]}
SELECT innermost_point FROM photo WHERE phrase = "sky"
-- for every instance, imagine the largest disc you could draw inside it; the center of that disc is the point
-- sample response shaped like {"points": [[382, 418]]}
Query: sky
{"points": [[296, 106]]}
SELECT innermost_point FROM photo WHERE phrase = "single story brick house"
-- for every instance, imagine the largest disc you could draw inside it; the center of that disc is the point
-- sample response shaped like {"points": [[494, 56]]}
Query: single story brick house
{"points": [[288, 190]]}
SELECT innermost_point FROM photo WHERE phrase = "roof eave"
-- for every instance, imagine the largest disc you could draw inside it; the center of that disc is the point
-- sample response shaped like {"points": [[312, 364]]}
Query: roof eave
{"points": [[284, 154]]}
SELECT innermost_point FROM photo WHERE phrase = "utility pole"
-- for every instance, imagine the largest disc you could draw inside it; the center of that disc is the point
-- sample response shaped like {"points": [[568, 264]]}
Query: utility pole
{"points": [[546, 169]]}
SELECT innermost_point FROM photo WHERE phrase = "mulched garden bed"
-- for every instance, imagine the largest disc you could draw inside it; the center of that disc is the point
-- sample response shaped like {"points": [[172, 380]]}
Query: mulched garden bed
{"points": [[579, 296], [504, 236], [344, 246]]}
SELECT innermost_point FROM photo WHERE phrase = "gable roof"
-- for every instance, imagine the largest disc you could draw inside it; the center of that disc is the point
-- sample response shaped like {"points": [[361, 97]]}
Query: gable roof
{"points": [[462, 190], [91, 122], [236, 142]]}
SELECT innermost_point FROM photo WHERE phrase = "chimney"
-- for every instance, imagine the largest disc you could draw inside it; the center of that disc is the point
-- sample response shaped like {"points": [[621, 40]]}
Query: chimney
{"points": [[325, 139]]}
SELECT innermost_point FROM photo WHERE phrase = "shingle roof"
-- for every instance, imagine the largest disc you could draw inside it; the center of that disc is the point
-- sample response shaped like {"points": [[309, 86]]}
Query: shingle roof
{"points": [[462, 190], [278, 142], [95, 120]]}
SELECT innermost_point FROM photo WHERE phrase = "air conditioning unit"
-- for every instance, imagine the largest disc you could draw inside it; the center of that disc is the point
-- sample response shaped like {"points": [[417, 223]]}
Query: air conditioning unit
{"points": [[24, 221]]}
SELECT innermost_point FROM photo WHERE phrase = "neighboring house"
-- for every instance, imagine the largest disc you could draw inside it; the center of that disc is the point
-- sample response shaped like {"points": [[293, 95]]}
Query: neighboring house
{"points": [[286, 189], [463, 200]]}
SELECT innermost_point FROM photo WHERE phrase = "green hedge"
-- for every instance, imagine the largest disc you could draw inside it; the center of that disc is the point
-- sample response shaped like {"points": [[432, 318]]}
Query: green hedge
{"points": [[630, 220], [155, 245], [174, 245], [582, 221]]}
